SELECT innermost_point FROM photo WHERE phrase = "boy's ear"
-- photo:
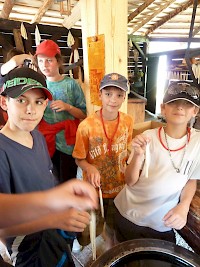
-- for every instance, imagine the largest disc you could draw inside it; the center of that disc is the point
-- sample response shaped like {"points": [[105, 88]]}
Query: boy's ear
{"points": [[162, 107], [46, 102], [124, 96], [196, 111], [3, 102]]}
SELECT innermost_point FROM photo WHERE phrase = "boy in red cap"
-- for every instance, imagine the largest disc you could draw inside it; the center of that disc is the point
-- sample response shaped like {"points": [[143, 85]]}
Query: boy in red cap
{"points": [[68, 104]]}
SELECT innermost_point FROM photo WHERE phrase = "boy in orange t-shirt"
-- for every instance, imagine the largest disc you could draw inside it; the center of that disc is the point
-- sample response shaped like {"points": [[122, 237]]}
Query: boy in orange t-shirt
{"points": [[103, 139]]}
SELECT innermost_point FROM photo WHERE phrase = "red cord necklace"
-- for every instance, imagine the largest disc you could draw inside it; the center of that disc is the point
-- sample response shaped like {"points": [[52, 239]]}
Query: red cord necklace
{"points": [[174, 150], [110, 140]]}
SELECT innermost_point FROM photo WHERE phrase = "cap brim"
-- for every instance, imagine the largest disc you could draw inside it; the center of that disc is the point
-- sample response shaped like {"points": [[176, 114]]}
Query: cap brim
{"points": [[115, 85], [15, 93], [46, 53], [181, 98]]}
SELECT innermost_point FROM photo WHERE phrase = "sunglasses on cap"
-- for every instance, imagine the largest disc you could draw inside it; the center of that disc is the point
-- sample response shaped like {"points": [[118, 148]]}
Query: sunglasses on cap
{"points": [[178, 88]]}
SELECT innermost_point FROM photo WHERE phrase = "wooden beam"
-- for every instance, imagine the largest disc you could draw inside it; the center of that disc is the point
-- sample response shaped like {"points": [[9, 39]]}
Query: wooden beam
{"points": [[7, 8], [139, 9], [18, 39], [139, 49], [176, 53], [8, 25], [169, 16], [69, 21], [173, 39], [46, 5], [154, 14]]}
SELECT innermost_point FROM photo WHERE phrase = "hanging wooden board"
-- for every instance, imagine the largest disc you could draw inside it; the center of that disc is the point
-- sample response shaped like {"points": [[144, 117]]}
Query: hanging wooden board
{"points": [[96, 64]]}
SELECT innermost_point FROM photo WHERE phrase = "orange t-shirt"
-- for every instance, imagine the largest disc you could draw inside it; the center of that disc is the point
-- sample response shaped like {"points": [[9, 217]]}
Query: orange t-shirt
{"points": [[92, 145]]}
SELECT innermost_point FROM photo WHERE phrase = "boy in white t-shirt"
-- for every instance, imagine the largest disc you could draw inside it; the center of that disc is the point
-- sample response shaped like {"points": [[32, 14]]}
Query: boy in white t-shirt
{"points": [[151, 206]]}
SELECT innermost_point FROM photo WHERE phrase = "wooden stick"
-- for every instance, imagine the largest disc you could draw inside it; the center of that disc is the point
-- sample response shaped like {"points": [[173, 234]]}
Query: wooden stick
{"points": [[93, 235], [101, 202], [147, 160]]}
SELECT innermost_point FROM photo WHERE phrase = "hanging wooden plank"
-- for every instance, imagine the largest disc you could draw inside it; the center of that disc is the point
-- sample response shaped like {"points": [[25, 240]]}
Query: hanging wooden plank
{"points": [[96, 62]]}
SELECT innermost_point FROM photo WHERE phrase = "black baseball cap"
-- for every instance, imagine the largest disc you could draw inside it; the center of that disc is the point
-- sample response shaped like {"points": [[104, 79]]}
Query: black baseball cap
{"points": [[182, 90], [20, 80]]}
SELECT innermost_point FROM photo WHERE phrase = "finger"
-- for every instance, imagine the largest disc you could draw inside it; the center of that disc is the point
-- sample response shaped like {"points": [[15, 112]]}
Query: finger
{"points": [[72, 228], [79, 222], [167, 216], [171, 221], [93, 180], [97, 182]]}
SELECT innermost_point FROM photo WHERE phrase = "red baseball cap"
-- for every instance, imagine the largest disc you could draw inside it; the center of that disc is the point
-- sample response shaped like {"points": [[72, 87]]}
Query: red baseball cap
{"points": [[48, 48]]}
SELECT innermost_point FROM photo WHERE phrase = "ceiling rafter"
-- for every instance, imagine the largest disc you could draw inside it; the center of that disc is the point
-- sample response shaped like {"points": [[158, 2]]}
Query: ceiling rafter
{"points": [[170, 16], [7, 8], [154, 14], [46, 5], [139, 9], [75, 16], [153, 17]]}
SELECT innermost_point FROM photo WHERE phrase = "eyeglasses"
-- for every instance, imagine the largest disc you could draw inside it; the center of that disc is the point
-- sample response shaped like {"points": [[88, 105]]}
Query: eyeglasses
{"points": [[175, 89]]}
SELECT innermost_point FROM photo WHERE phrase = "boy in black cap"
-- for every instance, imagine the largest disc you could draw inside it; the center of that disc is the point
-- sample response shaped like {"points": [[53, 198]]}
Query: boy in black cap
{"points": [[151, 206], [25, 166], [103, 138]]}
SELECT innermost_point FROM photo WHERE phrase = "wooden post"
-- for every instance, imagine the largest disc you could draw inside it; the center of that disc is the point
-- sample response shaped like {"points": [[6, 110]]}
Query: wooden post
{"points": [[108, 17]]}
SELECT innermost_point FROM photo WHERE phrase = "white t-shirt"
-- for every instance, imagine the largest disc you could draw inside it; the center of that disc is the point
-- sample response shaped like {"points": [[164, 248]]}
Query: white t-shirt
{"points": [[148, 201]]}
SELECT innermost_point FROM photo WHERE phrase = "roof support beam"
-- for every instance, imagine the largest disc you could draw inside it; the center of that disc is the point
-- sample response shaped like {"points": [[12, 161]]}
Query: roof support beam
{"points": [[170, 16], [148, 18], [46, 5], [139, 9], [7, 8]]}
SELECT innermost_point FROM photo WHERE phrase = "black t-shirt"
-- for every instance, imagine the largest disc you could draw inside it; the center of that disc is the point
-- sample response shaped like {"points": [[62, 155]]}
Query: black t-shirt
{"points": [[26, 170]]}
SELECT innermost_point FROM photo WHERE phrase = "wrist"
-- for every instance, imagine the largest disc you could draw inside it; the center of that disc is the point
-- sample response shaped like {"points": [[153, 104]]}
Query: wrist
{"points": [[69, 107]]}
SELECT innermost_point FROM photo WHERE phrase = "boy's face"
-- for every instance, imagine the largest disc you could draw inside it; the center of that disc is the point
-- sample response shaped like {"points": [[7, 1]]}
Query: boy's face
{"points": [[48, 65], [112, 98], [179, 111], [26, 111]]}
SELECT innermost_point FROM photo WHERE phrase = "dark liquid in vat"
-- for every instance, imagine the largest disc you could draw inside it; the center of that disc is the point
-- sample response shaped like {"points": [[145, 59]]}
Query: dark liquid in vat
{"points": [[150, 259]]}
